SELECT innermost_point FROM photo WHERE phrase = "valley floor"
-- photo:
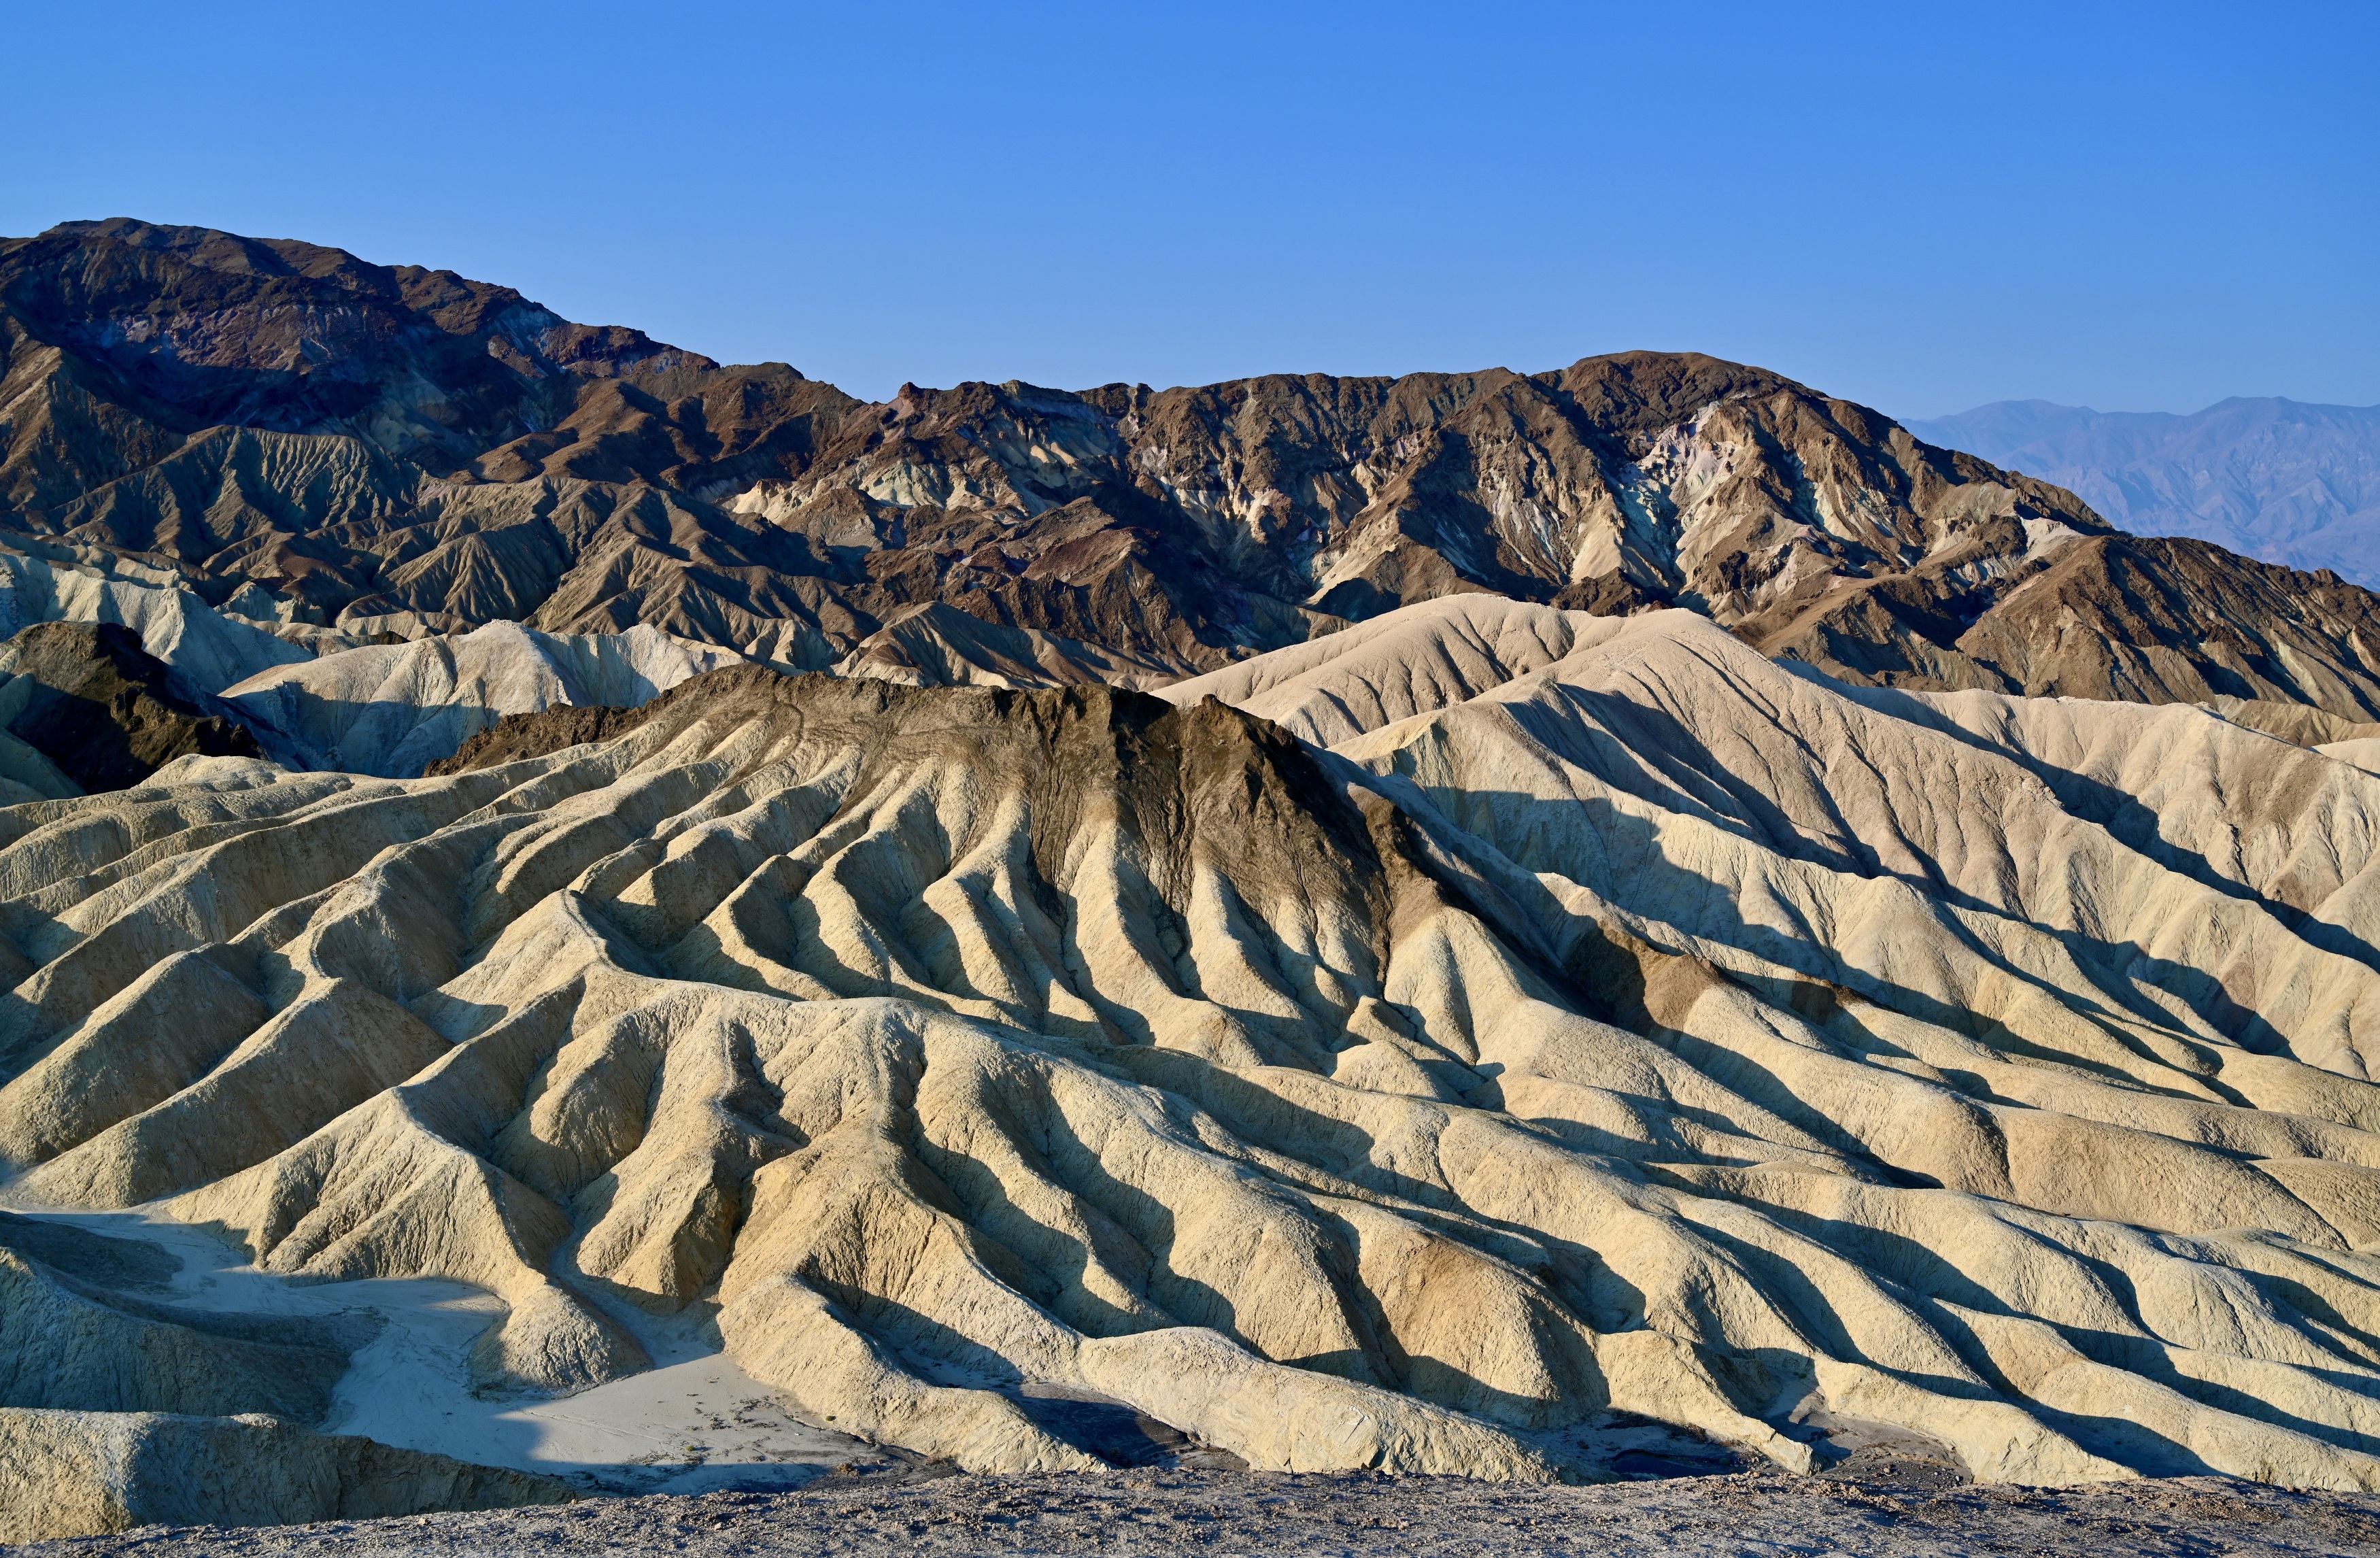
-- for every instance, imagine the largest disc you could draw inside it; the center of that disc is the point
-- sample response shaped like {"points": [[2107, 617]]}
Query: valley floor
{"points": [[1760, 1513]]}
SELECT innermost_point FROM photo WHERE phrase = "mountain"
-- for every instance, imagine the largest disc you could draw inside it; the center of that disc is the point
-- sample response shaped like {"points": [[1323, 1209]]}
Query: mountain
{"points": [[394, 450], [2273, 479], [202, 649], [1440, 1047], [92, 700], [1519, 925], [393, 709], [309, 696]]}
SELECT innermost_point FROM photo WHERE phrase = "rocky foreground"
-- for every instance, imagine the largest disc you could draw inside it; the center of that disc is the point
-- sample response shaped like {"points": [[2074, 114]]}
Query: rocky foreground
{"points": [[1221, 1512]]}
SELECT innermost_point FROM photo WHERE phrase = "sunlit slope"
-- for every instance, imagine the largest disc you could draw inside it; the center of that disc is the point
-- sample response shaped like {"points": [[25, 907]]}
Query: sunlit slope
{"points": [[1609, 1019], [395, 708]]}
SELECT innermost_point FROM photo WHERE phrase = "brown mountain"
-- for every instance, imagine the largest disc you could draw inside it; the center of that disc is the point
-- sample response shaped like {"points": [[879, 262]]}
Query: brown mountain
{"points": [[391, 442], [87, 696]]}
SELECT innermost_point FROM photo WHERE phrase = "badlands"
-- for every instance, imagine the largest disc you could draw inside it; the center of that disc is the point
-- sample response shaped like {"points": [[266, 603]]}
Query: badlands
{"points": [[577, 920], [1490, 1039]]}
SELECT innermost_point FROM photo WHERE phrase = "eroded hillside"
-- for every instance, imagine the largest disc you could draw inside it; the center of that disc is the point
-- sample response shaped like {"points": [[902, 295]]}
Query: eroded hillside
{"points": [[1500, 1019]]}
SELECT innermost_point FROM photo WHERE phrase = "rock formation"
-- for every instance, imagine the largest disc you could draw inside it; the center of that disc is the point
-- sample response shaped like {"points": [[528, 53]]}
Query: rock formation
{"points": [[393, 709], [203, 650], [939, 645], [1639, 892], [75, 1474], [1406, 1050], [101, 709], [385, 696], [405, 450], [119, 1409]]}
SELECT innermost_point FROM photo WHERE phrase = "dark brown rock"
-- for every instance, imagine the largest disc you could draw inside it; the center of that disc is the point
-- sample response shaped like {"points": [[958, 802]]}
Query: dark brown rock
{"points": [[377, 440], [100, 708], [517, 737], [2139, 619]]}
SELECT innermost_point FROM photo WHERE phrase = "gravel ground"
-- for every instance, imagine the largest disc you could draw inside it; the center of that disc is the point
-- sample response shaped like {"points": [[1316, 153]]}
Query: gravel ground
{"points": [[894, 1512]]}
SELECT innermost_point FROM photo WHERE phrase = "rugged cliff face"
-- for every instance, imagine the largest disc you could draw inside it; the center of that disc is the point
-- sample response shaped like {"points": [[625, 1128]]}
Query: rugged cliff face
{"points": [[403, 448]]}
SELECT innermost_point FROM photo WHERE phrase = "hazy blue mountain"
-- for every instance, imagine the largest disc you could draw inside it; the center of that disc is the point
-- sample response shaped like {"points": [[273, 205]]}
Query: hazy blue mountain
{"points": [[2271, 478]]}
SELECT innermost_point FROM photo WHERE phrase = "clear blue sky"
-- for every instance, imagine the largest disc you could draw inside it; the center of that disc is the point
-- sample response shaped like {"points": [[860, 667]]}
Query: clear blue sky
{"points": [[1922, 207]]}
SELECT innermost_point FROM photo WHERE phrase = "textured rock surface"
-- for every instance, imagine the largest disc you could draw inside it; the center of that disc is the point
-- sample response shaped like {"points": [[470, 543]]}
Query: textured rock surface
{"points": [[205, 650], [1889, 1513], [403, 450], [939, 645], [515, 737], [2118, 617], [70, 1474], [391, 709], [76, 1346], [1608, 1021], [385, 697], [102, 708]]}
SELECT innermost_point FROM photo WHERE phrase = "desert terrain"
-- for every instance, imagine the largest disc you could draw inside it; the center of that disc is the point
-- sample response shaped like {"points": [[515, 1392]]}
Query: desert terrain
{"points": [[581, 927]]}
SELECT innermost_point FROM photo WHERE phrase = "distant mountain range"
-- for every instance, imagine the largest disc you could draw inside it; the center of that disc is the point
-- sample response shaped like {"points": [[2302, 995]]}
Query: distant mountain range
{"points": [[301, 436], [2269, 478]]}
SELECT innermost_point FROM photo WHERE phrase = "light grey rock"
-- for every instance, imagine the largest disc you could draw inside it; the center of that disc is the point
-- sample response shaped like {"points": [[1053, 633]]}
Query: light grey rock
{"points": [[69, 1474]]}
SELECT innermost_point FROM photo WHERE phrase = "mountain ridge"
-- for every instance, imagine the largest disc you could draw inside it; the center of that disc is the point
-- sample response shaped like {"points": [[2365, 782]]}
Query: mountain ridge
{"points": [[1493, 923], [402, 449], [2289, 481]]}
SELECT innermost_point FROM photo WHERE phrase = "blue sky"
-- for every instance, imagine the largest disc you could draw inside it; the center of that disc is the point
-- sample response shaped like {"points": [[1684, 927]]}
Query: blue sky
{"points": [[1921, 207]]}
